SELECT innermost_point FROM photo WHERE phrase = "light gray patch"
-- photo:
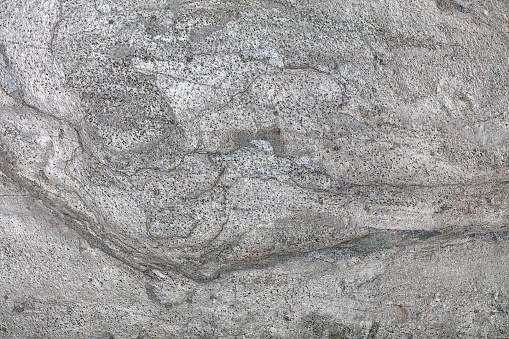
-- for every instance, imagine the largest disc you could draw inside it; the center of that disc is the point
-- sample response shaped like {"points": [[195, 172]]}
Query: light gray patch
{"points": [[445, 28], [122, 51], [420, 234], [158, 295], [102, 6], [269, 55], [492, 133], [331, 254], [262, 176], [306, 163], [9, 81], [376, 242], [502, 235], [272, 137], [304, 231], [8, 154], [450, 5]]}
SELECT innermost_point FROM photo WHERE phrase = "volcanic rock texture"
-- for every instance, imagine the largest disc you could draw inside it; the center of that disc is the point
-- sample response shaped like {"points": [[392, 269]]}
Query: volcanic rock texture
{"points": [[254, 169]]}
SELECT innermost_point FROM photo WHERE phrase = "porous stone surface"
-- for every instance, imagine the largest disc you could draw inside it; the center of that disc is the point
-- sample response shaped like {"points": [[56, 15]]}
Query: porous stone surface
{"points": [[254, 169]]}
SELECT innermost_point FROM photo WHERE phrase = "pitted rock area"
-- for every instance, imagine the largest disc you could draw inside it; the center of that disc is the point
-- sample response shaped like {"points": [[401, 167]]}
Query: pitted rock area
{"points": [[254, 169]]}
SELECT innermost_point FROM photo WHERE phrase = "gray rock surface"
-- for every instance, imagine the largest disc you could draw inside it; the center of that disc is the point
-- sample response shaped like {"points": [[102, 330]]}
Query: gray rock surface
{"points": [[254, 169]]}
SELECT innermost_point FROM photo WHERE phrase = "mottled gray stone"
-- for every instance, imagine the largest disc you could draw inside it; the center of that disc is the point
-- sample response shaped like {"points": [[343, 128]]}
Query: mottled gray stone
{"points": [[254, 169]]}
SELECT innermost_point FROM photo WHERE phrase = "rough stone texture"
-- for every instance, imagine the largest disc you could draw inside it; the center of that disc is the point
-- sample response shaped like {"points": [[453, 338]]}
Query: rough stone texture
{"points": [[254, 169]]}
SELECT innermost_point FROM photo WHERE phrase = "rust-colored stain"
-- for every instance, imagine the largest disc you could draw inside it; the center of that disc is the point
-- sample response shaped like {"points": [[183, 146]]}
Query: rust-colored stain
{"points": [[402, 312], [468, 210]]}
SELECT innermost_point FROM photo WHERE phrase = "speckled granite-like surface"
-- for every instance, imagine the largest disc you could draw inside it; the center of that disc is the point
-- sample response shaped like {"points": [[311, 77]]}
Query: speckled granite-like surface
{"points": [[254, 169]]}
